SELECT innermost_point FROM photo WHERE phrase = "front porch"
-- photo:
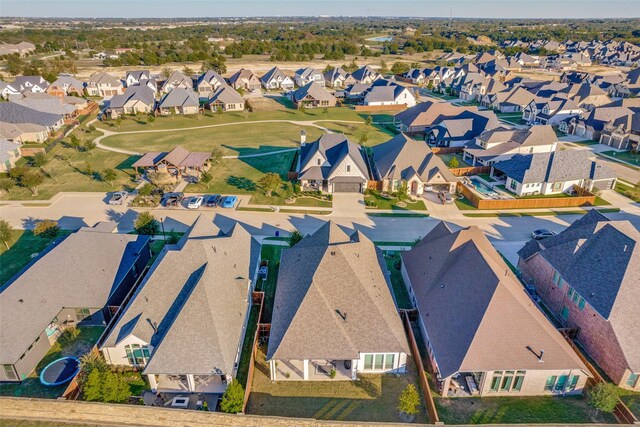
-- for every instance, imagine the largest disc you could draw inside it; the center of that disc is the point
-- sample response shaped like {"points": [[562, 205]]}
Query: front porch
{"points": [[313, 370]]}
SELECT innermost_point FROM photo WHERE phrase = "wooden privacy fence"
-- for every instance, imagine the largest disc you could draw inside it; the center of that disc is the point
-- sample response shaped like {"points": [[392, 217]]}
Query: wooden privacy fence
{"points": [[422, 376], [473, 170], [622, 412], [543, 202], [380, 107], [447, 150], [258, 298]]}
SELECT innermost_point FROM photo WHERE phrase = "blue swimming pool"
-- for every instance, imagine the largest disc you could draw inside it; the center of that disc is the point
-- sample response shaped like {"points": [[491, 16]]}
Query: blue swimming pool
{"points": [[481, 186]]}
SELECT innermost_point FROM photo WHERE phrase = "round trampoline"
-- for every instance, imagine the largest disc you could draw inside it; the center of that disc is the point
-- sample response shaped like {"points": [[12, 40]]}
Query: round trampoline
{"points": [[60, 371]]}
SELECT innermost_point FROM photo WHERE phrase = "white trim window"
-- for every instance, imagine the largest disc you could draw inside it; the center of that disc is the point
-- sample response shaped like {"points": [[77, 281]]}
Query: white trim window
{"points": [[137, 354], [379, 362]]}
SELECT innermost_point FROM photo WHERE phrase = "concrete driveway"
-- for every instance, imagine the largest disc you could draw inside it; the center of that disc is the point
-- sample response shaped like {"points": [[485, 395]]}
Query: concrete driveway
{"points": [[348, 205]]}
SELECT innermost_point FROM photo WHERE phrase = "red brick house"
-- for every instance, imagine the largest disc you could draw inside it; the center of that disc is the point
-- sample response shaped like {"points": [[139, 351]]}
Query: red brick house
{"points": [[588, 276]]}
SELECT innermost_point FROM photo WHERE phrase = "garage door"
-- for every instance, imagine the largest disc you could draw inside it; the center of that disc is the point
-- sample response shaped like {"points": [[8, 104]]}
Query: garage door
{"points": [[346, 187]]}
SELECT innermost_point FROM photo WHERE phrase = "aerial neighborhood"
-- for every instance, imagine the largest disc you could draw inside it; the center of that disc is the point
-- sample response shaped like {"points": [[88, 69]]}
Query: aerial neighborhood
{"points": [[338, 220]]}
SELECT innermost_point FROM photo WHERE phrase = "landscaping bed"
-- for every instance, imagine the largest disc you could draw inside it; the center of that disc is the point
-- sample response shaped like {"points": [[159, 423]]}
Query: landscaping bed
{"points": [[373, 199]]}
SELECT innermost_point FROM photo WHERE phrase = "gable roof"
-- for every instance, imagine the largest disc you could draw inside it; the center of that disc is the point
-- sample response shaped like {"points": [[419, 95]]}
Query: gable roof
{"points": [[403, 157], [191, 306], [273, 73], [461, 284], [613, 288], [103, 78], [82, 271], [428, 113], [241, 75], [142, 94], [557, 166], [315, 91], [333, 148], [180, 97], [226, 95], [13, 113], [333, 300]]}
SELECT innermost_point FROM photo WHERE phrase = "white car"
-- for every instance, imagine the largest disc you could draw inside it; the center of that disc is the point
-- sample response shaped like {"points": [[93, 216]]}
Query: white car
{"points": [[195, 202]]}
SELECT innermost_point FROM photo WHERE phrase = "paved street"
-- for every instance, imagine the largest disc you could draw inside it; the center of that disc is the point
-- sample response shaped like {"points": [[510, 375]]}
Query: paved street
{"points": [[624, 172]]}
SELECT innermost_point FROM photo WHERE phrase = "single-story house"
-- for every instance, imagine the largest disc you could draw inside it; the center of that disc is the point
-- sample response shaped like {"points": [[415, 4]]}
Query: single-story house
{"points": [[82, 280], [24, 124], [185, 325], [332, 164], [134, 100], [483, 334], [403, 160], [588, 277], [553, 173], [225, 98], [179, 101], [312, 95], [208, 82], [66, 85], [333, 314], [30, 84]]}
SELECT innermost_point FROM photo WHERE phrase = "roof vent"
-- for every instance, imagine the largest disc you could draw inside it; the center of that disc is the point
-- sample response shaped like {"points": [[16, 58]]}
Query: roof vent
{"points": [[342, 315], [442, 286], [540, 356], [214, 249], [21, 300], [333, 252], [625, 248]]}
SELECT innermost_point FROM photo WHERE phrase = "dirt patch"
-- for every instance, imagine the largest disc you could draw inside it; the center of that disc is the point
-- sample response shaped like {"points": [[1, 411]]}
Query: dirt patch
{"points": [[262, 103]]}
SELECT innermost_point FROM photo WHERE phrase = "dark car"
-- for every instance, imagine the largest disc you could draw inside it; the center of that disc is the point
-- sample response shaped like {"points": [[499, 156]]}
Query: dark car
{"points": [[174, 199], [213, 201], [542, 233]]}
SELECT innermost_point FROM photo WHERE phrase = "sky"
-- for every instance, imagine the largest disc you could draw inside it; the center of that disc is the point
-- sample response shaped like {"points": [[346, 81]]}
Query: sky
{"points": [[249, 8]]}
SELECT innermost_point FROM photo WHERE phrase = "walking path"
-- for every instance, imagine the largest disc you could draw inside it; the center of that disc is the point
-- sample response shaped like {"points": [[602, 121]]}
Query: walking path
{"points": [[311, 123]]}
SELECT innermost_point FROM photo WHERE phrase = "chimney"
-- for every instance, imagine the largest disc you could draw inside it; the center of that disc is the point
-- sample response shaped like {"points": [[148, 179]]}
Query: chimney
{"points": [[303, 138]]}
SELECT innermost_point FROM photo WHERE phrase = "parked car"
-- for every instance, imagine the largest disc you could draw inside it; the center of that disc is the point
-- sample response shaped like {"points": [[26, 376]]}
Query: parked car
{"points": [[229, 201], [174, 199], [445, 197], [542, 233], [195, 202], [213, 200], [118, 198]]}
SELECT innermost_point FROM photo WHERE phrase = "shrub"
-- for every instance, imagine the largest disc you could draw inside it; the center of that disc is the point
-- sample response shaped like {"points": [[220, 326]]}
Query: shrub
{"points": [[296, 187], [409, 400], [604, 397], [7, 184], [332, 374], [146, 224], [5, 232], [146, 190], [233, 398], [294, 238], [453, 163], [69, 335], [47, 229]]}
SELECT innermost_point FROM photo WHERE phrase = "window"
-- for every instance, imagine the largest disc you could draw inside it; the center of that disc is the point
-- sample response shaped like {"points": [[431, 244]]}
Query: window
{"points": [[551, 381], [518, 380], [564, 313], [573, 382], [581, 303], [348, 168], [82, 313], [388, 361], [513, 185], [319, 162], [570, 293], [368, 361], [557, 185], [137, 355], [558, 280], [562, 380], [506, 381], [9, 372], [631, 381], [495, 381], [378, 362]]}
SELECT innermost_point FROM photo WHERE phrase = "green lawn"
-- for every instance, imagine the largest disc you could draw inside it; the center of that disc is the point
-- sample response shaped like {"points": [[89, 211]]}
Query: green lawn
{"points": [[138, 123], [372, 398], [31, 386], [521, 410], [391, 203], [376, 134], [247, 345], [632, 400], [23, 244], [625, 156], [236, 139], [464, 204], [631, 192], [446, 158], [271, 253], [397, 282]]}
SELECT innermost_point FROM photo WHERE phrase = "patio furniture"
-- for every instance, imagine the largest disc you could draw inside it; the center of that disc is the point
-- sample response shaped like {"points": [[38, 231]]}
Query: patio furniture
{"points": [[471, 383], [199, 405], [180, 402]]}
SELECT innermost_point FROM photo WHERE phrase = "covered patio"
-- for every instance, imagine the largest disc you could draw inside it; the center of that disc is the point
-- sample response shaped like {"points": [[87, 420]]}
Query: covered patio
{"points": [[313, 370], [188, 383], [193, 401]]}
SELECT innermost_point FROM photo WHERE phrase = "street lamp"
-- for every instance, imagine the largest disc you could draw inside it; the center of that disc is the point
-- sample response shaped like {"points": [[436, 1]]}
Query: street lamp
{"points": [[164, 237]]}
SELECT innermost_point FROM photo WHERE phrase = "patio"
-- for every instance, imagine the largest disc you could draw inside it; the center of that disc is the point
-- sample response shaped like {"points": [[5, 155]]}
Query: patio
{"points": [[317, 370], [464, 384], [192, 401], [189, 383]]}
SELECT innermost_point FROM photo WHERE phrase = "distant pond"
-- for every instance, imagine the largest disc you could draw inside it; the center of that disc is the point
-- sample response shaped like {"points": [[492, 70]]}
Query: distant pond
{"points": [[380, 39]]}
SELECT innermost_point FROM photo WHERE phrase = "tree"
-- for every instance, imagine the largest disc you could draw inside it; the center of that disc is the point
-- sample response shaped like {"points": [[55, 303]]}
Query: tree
{"points": [[89, 146], [205, 178], [216, 155], [294, 238], [187, 71], [401, 194], [383, 67], [409, 400], [270, 182], [51, 173], [109, 175], [32, 181], [74, 142], [88, 169], [146, 224], [233, 398], [604, 397], [363, 138], [47, 229], [368, 121], [152, 119], [114, 387], [166, 72], [5, 232], [7, 184], [399, 67], [453, 163], [92, 389], [39, 160]]}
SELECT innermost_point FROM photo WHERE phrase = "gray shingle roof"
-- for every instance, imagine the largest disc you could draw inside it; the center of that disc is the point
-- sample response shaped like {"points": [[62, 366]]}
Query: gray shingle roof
{"points": [[402, 157], [476, 313], [327, 272], [10, 112], [599, 258], [226, 95], [557, 166], [180, 97], [315, 91], [80, 272], [142, 94], [191, 307], [334, 148]]}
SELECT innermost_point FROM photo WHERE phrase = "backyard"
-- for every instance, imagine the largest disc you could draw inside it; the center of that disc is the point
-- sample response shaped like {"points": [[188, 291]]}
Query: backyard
{"points": [[446, 158], [370, 398], [65, 346], [22, 246], [519, 410], [272, 254]]}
